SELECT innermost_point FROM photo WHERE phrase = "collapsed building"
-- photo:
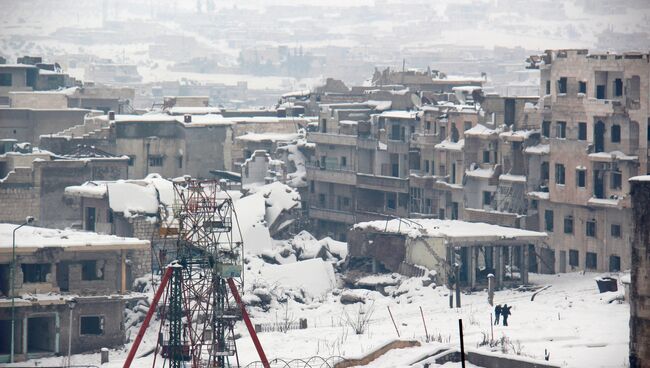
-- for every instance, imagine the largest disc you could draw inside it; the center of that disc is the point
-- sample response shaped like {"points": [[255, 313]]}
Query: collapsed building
{"points": [[414, 247], [80, 280], [32, 181]]}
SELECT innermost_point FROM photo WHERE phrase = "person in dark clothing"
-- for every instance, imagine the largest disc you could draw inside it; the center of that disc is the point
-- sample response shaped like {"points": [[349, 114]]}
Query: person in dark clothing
{"points": [[505, 312], [497, 313]]}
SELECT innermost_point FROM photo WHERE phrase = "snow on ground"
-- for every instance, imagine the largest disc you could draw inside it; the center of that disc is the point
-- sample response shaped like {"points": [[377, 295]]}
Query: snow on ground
{"points": [[571, 320]]}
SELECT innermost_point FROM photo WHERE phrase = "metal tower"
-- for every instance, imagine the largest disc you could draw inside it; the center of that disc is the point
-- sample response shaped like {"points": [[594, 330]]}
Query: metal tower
{"points": [[201, 304]]}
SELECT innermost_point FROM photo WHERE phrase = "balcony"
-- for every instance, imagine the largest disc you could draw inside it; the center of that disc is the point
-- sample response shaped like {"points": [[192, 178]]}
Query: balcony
{"points": [[331, 174], [424, 139], [328, 214], [333, 139], [383, 183], [397, 146], [367, 143]]}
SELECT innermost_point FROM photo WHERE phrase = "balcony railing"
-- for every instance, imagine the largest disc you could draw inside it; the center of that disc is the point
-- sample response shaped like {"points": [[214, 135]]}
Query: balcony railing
{"points": [[331, 173], [331, 214], [334, 139], [383, 183]]}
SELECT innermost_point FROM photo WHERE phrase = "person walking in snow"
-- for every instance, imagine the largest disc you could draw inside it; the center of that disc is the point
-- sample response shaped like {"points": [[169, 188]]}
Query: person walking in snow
{"points": [[505, 312], [497, 313]]}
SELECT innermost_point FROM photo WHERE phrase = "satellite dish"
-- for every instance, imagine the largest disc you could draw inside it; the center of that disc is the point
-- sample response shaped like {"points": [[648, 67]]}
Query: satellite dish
{"points": [[416, 100]]}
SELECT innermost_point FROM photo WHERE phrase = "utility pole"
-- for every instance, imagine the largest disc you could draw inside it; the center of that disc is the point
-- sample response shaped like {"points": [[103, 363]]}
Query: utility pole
{"points": [[28, 220]]}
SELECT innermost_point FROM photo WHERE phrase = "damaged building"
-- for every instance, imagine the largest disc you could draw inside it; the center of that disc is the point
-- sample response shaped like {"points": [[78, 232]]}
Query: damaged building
{"points": [[65, 278], [414, 247]]}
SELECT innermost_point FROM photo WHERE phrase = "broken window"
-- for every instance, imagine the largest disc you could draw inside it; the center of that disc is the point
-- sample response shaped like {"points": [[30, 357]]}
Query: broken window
{"points": [[574, 257], [344, 161], [581, 178], [546, 129], [92, 270], [454, 210], [91, 325], [35, 272], [486, 157], [616, 133], [559, 174], [615, 230], [616, 180], [545, 170], [467, 125], [568, 225], [487, 198], [548, 87], [582, 131], [560, 129], [582, 87], [590, 229], [561, 85], [131, 160], [618, 87], [591, 261], [155, 161], [548, 220], [614, 263], [391, 201]]}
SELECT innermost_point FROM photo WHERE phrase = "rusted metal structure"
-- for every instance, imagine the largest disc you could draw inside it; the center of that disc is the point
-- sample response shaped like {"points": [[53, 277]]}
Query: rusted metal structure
{"points": [[200, 289]]}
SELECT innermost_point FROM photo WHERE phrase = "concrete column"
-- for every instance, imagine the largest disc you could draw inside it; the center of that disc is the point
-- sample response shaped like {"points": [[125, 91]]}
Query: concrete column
{"points": [[499, 266], [471, 266], [524, 264]]}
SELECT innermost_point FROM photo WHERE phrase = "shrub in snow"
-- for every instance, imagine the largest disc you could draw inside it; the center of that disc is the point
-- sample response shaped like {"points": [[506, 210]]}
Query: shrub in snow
{"points": [[359, 320]]}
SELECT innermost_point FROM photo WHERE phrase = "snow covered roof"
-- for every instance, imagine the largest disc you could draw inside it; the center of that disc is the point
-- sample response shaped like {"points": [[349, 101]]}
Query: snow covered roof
{"points": [[480, 173], [539, 195], [132, 198], [480, 130], [182, 110], [517, 135], [270, 136], [611, 156], [451, 230], [513, 178], [540, 149], [398, 114], [451, 146], [640, 178], [29, 238]]}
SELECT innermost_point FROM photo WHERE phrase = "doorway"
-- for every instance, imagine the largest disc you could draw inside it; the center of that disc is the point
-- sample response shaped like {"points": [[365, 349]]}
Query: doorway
{"points": [[599, 136], [41, 334]]}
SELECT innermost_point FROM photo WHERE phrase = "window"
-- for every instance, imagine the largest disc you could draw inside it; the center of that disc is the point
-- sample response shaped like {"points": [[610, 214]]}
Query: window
{"points": [[616, 133], [131, 160], [35, 272], [344, 161], [574, 259], [616, 180], [5, 79], [321, 199], [544, 170], [591, 261], [560, 129], [346, 201], [591, 228], [546, 129], [561, 85], [548, 87], [582, 87], [487, 198], [441, 213], [614, 263], [467, 125], [428, 125], [616, 230], [581, 178], [568, 225], [533, 204], [395, 132], [391, 202], [180, 162], [312, 186], [548, 220], [426, 166], [486, 157], [156, 160], [454, 210], [91, 325], [559, 174], [443, 132], [92, 270], [582, 131], [323, 126], [618, 87]]}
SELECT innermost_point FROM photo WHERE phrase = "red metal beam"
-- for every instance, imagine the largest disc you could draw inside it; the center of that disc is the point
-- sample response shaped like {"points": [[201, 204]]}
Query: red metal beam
{"points": [[249, 324], [145, 323]]}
